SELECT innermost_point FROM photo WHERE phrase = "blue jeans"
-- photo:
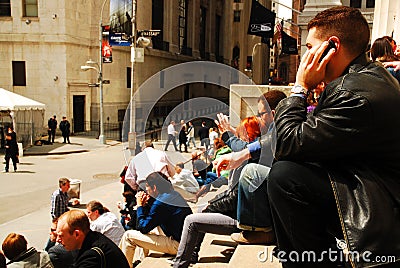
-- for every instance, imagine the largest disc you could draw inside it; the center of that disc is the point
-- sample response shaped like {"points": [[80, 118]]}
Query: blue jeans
{"points": [[195, 227], [191, 139], [253, 210]]}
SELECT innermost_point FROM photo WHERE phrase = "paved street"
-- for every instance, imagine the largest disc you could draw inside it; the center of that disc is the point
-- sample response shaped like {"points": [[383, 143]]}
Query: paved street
{"points": [[25, 195]]}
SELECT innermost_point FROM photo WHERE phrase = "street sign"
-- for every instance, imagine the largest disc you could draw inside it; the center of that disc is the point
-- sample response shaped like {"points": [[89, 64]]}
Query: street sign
{"points": [[148, 33], [119, 39], [137, 54], [106, 82], [93, 85]]}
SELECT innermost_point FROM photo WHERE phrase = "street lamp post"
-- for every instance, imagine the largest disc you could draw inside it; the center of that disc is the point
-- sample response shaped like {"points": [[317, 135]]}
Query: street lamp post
{"points": [[99, 70], [252, 59], [132, 111], [102, 138], [100, 80]]}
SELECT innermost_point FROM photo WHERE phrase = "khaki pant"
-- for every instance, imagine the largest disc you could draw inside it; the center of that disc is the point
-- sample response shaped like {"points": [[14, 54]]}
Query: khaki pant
{"points": [[133, 238]]}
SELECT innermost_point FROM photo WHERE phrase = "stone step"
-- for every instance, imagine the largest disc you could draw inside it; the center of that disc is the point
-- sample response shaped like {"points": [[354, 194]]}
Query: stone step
{"points": [[254, 256]]}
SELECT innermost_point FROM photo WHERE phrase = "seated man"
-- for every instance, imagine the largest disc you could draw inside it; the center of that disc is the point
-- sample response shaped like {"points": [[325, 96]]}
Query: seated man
{"points": [[104, 221], [253, 212], [184, 179], [148, 161], [60, 199], [59, 256], [168, 211], [95, 249]]}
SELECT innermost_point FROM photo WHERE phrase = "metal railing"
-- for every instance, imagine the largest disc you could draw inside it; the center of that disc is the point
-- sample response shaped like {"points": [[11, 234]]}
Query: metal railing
{"points": [[112, 131]]}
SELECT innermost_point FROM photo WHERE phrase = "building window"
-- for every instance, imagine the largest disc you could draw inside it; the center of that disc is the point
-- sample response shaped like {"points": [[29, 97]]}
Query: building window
{"points": [[370, 4], [128, 77], [236, 16], [183, 10], [5, 8], [218, 39], [202, 44], [19, 75], [157, 22], [355, 3], [30, 8]]}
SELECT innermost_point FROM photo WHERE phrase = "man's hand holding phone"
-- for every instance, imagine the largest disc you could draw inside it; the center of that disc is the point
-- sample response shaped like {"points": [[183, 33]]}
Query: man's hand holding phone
{"points": [[312, 67]]}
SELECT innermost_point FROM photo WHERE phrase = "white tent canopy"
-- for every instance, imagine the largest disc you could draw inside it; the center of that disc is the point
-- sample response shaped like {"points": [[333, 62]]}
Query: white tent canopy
{"points": [[10, 101], [26, 115]]}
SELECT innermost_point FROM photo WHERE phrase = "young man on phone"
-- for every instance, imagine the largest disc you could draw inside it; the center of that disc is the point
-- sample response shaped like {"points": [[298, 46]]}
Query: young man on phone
{"points": [[335, 187]]}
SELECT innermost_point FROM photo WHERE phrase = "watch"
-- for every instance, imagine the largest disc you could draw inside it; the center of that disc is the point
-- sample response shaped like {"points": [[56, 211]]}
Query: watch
{"points": [[298, 89]]}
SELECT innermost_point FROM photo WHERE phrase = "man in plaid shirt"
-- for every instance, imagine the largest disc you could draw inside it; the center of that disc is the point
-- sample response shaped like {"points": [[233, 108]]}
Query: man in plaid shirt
{"points": [[60, 199]]}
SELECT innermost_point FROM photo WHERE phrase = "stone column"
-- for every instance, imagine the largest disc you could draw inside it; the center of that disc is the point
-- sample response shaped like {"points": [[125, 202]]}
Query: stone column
{"points": [[311, 8], [384, 19]]}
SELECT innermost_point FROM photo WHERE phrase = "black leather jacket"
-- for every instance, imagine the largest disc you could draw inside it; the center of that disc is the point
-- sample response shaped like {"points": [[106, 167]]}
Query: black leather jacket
{"points": [[354, 134]]}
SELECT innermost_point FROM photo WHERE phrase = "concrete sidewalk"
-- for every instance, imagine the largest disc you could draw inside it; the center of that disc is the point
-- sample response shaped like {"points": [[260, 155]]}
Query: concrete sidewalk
{"points": [[35, 226], [78, 144]]}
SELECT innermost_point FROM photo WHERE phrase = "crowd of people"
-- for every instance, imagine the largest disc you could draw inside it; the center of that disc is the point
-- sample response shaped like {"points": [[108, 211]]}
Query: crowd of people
{"points": [[298, 178]]}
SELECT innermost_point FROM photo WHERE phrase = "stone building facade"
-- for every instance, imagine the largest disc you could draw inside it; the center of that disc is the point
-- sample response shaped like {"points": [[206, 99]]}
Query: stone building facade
{"points": [[44, 44]]}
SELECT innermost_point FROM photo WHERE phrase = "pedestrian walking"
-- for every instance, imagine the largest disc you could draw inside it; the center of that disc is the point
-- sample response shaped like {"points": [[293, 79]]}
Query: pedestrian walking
{"points": [[11, 149], [190, 135], [65, 127], [171, 136], [204, 138]]}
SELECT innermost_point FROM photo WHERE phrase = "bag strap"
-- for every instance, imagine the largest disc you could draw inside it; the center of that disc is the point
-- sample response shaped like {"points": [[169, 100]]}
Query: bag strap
{"points": [[102, 256]]}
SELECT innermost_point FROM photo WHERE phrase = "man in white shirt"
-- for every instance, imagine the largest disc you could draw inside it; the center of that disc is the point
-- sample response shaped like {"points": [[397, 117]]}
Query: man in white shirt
{"points": [[184, 179], [148, 161], [103, 221], [171, 136]]}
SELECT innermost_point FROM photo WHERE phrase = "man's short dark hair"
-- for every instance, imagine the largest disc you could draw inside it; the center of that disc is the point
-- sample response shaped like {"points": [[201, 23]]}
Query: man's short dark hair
{"points": [[347, 23], [63, 181], [96, 205], [147, 144], [160, 181], [180, 164], [272, 98]]}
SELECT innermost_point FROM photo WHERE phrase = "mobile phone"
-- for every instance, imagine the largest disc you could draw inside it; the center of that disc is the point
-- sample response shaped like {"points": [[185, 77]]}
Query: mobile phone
{"points": [[331, 44]]}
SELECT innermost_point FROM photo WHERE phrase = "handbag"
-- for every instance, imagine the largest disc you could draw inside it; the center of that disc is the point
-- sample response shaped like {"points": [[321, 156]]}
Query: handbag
{"points": [[103, 263], [122, 174]]}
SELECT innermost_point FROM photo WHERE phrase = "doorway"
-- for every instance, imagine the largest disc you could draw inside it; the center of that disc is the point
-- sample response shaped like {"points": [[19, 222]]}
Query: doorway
{"points": [[79, 113]]}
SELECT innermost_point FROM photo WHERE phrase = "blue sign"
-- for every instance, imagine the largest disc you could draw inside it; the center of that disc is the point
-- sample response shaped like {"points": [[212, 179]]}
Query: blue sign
{"points": [[118, 39]]}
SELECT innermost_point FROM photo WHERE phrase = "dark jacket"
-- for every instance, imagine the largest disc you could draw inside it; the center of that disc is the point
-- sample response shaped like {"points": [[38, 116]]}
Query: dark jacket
{"points": [[88, 257], [182, 136], [226, 202], [354, 134], [65, 127], [203, 133], [52, 123], [11, 144], [60, 257]]}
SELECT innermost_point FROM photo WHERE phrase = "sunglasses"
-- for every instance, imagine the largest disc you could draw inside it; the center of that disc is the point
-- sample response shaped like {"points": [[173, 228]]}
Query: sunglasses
{"points": [[53, 230], [261, 114]]}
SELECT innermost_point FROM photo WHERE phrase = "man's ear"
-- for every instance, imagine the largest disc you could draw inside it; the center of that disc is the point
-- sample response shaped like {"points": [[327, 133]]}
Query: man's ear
{"points": [[76, 233], [273, 113]]}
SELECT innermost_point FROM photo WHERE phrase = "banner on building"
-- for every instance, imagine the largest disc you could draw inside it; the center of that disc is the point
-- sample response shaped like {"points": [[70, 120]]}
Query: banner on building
{"points": [[120, 22], [289, 44], [106, 50], [262, 21]]}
